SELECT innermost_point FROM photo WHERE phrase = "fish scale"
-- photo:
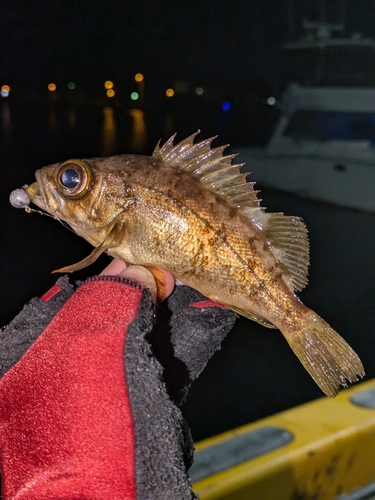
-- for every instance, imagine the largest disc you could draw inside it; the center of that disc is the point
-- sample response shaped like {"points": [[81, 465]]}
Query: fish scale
{"points": [[189, 210]]}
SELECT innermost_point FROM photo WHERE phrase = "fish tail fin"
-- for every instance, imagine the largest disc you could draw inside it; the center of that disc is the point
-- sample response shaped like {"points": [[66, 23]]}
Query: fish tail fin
{"points": [[324, 353]]}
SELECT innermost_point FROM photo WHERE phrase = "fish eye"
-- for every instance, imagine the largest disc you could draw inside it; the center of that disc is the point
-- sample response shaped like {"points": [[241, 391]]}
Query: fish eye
{"points": [[69, 178], [73, 178]]}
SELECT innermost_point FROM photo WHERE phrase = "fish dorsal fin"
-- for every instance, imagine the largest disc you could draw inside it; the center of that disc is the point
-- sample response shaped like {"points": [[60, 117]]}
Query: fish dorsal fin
{"points": [[290, 245], [287, 235]]}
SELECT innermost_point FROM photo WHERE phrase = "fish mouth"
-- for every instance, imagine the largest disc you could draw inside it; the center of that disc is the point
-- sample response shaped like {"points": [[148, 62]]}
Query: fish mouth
{"points": [[33, 192], [37, 192]]}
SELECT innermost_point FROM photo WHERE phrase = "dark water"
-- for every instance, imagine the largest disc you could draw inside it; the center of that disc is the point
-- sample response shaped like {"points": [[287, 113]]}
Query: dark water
{"points": [[255, 374]]}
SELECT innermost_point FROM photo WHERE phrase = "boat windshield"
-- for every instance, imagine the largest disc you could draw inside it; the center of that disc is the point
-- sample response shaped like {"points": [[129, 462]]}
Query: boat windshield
{"points": [[331, 65], [331, 125]]}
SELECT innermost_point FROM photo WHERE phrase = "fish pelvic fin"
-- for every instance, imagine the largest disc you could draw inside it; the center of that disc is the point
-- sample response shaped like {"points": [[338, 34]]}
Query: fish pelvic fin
{"points": [[114, 237], [87, 261], [327, 357]]}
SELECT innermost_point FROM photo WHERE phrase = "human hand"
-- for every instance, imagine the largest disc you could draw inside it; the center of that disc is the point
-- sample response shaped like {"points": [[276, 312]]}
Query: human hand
{"points": [[143, 276]]}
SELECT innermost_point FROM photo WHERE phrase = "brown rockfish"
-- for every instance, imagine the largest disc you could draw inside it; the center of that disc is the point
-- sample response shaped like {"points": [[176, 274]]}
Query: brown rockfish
{"points": [[189, 210]]}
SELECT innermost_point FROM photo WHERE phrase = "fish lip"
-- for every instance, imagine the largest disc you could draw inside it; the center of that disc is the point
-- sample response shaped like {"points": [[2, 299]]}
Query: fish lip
{"points": [[39, 202], [41, 199]]}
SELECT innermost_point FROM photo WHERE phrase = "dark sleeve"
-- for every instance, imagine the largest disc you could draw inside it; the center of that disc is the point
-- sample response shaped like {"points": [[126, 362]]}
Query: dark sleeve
{"points": [[88, 394], [197, 328]]}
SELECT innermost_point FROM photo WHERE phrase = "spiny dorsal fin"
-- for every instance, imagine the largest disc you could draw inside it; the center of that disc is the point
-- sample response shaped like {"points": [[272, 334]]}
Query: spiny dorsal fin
{"points": [[286, 235]]}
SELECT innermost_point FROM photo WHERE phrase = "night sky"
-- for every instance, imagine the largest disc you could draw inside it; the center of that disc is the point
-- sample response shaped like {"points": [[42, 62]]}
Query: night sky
{"points": [[226, 43]]}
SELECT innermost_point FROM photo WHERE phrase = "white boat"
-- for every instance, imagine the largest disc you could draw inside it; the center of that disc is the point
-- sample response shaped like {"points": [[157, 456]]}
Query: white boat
{"points": [[323, 146]]}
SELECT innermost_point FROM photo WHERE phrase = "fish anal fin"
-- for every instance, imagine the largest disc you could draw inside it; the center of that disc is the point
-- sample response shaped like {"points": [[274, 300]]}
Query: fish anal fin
{"points": [[254, 317], [326, 356]]}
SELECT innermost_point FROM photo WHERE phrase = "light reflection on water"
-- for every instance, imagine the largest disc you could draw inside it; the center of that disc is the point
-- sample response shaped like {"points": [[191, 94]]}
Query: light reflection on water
{"points": [[52, 121], [6, 118], [71, 116], [138, 134], [105, 131], [109, 131], [57, 128]]}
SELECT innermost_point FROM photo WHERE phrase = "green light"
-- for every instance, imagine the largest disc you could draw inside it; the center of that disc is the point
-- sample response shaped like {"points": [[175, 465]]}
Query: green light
{"points": [[71, 85], [134, 96]]}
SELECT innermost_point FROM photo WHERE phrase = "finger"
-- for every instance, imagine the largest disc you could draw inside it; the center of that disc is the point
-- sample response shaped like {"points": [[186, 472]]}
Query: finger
{"points": [[114, 268], [169, 284], [143, 276]]}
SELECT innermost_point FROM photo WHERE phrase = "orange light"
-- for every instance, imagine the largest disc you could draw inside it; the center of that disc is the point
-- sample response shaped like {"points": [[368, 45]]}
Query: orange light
{"points": [[139, 77], [169, 92], [108, 85], [51, 87], [110, 93], [5, 88]]}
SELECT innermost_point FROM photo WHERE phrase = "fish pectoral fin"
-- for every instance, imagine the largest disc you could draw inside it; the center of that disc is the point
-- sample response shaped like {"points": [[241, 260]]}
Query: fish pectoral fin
{"points": [[254, 317], [326, 356], [111, 240]]}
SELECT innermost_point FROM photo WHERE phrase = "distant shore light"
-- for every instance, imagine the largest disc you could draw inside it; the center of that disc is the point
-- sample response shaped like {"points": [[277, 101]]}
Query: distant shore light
{"points": [[134, 96], [169, 92], [139, 77], [225, 106], [71, 85], [51, 87], [5, 89], [110, 93], [108, 85], [199, 91]]}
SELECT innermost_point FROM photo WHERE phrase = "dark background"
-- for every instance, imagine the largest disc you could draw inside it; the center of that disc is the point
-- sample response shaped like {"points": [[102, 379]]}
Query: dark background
{"points": [[226, 48]]}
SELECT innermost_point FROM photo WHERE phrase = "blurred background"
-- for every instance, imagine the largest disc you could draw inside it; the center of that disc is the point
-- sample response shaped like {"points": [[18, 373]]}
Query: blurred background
{"points": [[81, 79]]}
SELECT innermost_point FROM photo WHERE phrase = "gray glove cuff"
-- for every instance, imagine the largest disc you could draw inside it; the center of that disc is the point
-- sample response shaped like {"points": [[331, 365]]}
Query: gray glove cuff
{"points": [[17, 337]]}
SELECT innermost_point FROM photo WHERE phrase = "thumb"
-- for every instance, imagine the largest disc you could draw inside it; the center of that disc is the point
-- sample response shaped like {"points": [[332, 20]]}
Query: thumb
{"points": [[143, 276]]}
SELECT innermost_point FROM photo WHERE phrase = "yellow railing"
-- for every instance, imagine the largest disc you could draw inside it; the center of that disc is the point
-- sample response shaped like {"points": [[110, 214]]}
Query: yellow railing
{"points": [[322, 450]]}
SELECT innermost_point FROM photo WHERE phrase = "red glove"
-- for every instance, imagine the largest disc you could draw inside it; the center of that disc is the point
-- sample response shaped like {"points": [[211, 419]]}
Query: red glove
{"points": [[85, 413]]}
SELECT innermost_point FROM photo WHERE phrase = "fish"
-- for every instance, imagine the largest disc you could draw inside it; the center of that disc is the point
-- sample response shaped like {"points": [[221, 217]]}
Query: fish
{"points": [[189, 209]]}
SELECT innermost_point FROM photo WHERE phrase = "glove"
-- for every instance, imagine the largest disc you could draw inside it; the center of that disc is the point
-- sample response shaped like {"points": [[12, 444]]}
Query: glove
{"points": [[85, 412]]}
